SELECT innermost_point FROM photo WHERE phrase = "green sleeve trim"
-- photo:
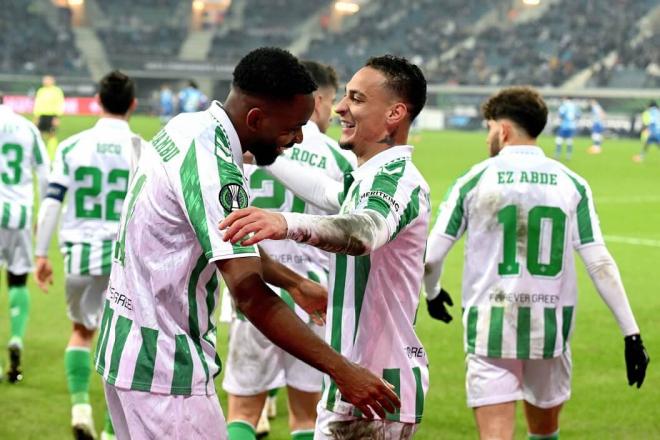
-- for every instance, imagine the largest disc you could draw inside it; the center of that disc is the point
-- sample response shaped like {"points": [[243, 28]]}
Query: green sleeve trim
{"points": [[456, 219], [585, 230]]}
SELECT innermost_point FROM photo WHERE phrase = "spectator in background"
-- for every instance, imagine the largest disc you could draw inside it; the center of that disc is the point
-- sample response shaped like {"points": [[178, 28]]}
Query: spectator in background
{"points": [[166, 104], [191, 99], [48, 107]]}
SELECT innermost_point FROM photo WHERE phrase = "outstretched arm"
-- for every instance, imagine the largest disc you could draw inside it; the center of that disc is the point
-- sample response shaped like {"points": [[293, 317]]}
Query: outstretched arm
{"points": [[313, 187], [281, 325], [354, 234]]}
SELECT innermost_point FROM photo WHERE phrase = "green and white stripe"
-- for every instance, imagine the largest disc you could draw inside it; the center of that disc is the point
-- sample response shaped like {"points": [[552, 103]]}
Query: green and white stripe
{"points": [[15, 216], [158, 329], [88, 258], [517, 332], [373, 299]]}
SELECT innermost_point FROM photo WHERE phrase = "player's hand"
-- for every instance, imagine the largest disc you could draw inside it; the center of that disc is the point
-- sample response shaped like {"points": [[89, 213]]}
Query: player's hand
{"points": [[263, 224], [43, 273], [312, 297], [636, 359], [366, 391], [438, 306]]}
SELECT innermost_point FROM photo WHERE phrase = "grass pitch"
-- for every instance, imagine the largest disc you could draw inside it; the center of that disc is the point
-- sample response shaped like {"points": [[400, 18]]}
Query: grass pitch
{"points": [[627, 197]]}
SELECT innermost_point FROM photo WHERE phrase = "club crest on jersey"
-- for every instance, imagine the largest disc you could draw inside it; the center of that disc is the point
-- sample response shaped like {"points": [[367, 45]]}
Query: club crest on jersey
{"points": [[233, 196]]}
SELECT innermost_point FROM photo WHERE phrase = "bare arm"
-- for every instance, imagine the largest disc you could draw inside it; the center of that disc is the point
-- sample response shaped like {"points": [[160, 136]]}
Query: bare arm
{"points": [[437, 248], [309, 295], [353, 234], [281, 325]]}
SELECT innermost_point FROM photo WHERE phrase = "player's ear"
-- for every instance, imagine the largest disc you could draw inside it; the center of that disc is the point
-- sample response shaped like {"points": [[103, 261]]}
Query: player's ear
{"points": [[397, 113], [133, 105], [254, 119]]}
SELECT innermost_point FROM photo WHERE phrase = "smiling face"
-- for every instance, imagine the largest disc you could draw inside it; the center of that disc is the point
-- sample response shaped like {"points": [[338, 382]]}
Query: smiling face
{"points": [[276, 126], [364, 110]]}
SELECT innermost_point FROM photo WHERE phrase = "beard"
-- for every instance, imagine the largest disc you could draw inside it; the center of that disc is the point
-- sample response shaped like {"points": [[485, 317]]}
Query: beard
{"points": [[265, 154], [494, 147], [349, 146]]}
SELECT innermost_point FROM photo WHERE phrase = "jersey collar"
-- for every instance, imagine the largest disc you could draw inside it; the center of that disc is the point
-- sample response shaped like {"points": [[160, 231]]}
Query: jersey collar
{"points": [[113, 124], [397, 152], [311, 126], [532, 150], [220, 115]]}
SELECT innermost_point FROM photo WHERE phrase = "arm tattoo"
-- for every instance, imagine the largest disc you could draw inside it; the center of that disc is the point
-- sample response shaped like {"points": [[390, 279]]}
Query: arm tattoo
{"points": [[352, 234]]}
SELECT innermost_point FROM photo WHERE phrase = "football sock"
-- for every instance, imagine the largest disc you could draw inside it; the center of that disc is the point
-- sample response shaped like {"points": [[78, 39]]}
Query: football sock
{"points": [[78, 369], [19, 309], [569, 148], [303, 434], [553, 436], [240, 430], [107, 427]]}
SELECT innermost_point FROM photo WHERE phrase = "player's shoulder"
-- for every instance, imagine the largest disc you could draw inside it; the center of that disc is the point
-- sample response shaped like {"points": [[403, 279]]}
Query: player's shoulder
{"points": [[68, 144]]}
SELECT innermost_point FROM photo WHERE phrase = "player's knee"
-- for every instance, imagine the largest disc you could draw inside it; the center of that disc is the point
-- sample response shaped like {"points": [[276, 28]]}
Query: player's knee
{"points": [[14, 280], [83, 332]]}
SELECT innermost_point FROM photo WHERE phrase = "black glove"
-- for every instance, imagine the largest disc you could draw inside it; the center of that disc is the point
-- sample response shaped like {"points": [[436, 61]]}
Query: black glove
{"points": [[437, 307], [636, 359]]}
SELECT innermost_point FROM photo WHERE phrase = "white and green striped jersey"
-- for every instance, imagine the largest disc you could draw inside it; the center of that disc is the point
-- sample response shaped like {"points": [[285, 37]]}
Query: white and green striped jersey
{"points": [[93, 169], [373, 299], [524, 214], [323, 155], [22, 156], [157, 330]]}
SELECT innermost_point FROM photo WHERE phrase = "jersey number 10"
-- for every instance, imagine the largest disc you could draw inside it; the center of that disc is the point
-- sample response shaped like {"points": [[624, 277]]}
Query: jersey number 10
{"points": [[514, 231]]}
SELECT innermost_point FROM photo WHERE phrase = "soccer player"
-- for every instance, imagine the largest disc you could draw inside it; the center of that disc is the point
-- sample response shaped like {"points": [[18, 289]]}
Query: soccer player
{"points": [[191, 99], [568, 113], [254, 364], [166, 104], [378, 240], [597, 115], [651, 130], [524, 214], [157, 350], [22, 156], [93, 167], [48, 107]]}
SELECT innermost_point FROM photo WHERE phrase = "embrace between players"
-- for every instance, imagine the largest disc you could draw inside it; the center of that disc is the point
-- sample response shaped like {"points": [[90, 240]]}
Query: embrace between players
{"points": [[186, 216]]}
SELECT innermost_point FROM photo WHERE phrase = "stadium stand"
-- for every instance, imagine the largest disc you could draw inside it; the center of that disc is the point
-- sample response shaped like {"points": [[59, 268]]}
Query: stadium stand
{"points": [[277, 27], [410, 31], [41, 47], [150, 28], [569, 37]]}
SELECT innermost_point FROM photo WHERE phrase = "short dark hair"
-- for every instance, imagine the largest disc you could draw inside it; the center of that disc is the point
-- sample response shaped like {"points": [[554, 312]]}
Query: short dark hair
{"points": [[405, 79], [322, 74], [116, 92], [274, 73], [653, 104], [522, 105]]}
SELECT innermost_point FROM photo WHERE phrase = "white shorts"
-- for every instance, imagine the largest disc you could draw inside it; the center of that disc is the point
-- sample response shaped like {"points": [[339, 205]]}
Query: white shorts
{"points": [[254, 364], [545, 383], [333, 426], [16, 250], [84, 298], [139, 415]]}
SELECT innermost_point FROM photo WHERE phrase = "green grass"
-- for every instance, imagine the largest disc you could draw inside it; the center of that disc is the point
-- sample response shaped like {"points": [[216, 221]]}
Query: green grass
{"points": [[602, 406]]}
